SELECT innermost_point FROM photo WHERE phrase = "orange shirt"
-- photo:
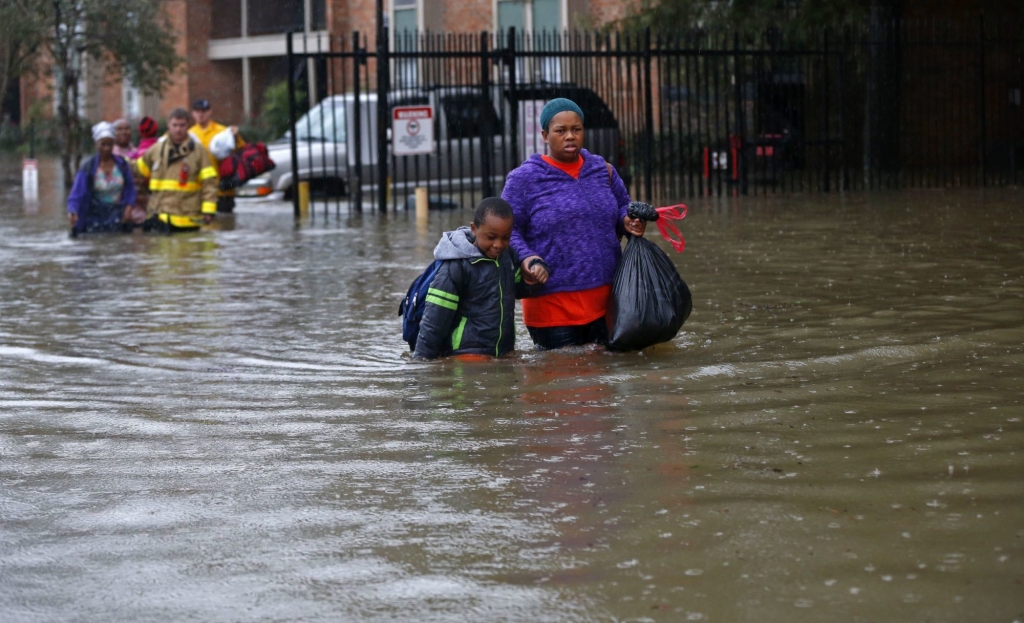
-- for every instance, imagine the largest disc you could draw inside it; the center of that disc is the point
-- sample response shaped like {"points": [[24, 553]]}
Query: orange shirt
{"points": [[566, 309], [572, 169]]}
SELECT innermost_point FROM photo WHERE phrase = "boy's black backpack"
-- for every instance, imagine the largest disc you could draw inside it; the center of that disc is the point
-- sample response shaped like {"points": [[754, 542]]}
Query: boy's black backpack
{"points": [[411, 309]]}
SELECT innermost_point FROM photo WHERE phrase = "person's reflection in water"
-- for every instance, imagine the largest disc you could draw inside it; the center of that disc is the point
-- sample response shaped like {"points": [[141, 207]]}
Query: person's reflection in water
{"points": [[577, 458]]}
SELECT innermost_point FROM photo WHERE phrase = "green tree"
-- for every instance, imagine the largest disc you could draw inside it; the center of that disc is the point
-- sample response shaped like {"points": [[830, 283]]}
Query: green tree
{"points": [[21, 38], [131, 39], [275, 107], [799, 18]]}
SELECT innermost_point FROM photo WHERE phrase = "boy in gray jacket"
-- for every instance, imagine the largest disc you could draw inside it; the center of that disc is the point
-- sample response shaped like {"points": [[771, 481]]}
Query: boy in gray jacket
{"points": [[470, 306]]}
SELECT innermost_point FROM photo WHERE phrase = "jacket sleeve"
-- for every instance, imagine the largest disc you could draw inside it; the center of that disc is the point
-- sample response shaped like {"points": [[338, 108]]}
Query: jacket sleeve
{"points": [[144, 164], [621, 200], [514, 196], [439, 314], [208, 179], [78, 198]]}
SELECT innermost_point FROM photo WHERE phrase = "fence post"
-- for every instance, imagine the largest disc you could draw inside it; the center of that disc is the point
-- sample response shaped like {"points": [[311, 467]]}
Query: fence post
{"points": [[510, 56], [844, 179], [741, 117], [358, 60], [981, 98], [291, 125], [486, 131], [827, 177], [383, 58], [649, 120]]}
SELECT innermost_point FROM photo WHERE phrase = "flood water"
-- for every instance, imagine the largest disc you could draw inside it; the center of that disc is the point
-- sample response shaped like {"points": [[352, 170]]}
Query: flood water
{"points": [[226, 426]]}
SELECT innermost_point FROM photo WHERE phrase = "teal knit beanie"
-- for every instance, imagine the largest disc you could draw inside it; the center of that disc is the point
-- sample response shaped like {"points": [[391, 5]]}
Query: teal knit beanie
{"points": [[555, 106]]}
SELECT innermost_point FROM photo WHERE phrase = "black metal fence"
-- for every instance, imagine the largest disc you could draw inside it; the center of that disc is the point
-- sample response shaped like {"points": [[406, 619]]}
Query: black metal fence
{"points": [[893, 105]]}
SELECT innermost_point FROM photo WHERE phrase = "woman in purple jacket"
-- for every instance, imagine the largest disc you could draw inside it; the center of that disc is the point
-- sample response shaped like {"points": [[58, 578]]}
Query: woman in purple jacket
{"points": [[570, 211], [103, 190]]}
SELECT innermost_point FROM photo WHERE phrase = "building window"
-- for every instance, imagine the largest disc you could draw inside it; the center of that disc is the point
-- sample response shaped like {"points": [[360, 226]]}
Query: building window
{"points": [[530, 16], [266, 18], [226, 19], [511, 14], [318, 15], [405, 17], [538, 24], [131, 101], [249, 18]]}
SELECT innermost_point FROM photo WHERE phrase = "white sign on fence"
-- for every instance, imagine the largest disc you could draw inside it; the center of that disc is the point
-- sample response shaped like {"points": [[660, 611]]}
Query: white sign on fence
{"points": [[412, 129]]}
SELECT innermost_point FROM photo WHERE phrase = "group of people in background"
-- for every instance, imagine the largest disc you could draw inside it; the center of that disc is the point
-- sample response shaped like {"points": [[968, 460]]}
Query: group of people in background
{"points": [[163, 184]]}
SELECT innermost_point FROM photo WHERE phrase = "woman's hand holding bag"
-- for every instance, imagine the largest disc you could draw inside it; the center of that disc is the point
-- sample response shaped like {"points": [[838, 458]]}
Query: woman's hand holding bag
{"points": [[649, 301]]}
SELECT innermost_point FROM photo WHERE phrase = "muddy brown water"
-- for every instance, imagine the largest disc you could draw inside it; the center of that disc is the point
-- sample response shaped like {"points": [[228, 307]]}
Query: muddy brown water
{"points": [[226, 426]]}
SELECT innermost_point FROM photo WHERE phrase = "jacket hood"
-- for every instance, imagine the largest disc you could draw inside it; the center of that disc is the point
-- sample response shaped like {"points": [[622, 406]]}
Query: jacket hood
{"points": [[457, 245]]}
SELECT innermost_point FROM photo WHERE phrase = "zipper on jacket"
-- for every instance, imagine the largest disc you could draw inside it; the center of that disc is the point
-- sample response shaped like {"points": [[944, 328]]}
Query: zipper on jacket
{"points": [[501, 307], [501, 303]]}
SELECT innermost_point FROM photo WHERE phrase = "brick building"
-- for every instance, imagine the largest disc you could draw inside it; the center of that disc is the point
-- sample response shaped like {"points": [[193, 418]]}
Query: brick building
{"points": [[234, 49]]}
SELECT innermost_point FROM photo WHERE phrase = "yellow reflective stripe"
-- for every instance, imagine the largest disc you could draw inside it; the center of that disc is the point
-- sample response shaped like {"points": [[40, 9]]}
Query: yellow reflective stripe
{"points": [[207, 172], [209, 207], [457, 334], [175, 186], [185, 222], [441, 302], [143, 167], [443, 294]]}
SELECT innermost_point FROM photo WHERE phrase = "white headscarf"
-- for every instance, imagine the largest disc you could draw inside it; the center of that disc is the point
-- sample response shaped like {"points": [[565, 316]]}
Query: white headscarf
{"points": [[102, 130]]}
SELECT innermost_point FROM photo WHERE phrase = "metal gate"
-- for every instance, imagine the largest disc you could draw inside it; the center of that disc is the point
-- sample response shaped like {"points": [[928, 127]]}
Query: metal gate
{"points": [[689, 115], [686, 116]]}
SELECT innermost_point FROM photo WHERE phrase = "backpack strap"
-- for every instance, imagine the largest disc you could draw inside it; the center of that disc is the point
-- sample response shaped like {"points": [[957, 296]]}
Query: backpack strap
{"points": [[609, 165]]}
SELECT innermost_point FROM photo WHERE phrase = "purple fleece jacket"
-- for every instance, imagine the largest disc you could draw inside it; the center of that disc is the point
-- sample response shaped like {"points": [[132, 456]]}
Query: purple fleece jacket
{"points": [[573, 225], [78, 198]]}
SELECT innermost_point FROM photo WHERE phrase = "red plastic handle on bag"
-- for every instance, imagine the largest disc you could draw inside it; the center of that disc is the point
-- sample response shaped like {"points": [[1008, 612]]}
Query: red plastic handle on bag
{"points": [[667, 227]]}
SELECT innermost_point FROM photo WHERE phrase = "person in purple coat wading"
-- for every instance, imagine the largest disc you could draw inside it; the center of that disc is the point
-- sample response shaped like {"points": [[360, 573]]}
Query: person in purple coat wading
{"points": [[103, 190], [569, 213]]}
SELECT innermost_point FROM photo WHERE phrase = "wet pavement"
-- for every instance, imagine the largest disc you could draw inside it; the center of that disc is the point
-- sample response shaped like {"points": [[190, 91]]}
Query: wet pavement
{"points": [[226, 426]]}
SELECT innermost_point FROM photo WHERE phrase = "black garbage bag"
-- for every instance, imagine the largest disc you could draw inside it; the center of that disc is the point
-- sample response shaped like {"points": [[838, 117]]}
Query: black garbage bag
{"points": [[649, 302]]}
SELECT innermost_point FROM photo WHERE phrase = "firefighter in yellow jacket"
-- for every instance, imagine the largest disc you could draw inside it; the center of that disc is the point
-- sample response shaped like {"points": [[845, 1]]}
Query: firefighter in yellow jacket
{"points": [[182, 182], [205, 129]]}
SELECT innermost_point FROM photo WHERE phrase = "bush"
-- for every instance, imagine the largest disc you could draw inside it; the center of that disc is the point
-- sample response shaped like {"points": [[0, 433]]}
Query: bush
{"points": [[255, 130], [45, 132], [275, 108]]}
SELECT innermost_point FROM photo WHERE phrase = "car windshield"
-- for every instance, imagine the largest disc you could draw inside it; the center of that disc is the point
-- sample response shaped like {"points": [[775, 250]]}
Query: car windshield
{"points": [[325, 122]]}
